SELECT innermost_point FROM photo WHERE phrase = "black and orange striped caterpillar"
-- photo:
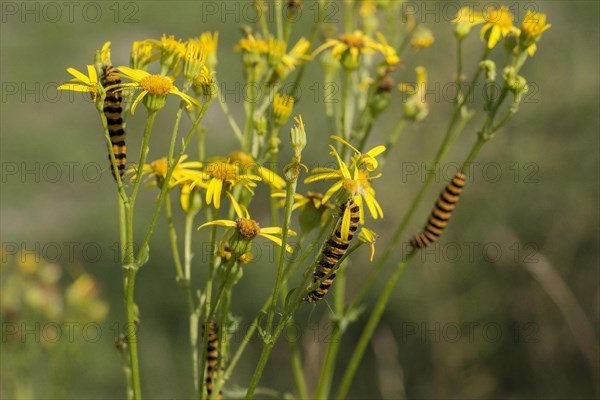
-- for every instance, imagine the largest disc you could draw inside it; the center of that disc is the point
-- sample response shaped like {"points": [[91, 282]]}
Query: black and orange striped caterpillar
{"points": [[441, 213], [114, 119], [212, 359], [335, 249]]}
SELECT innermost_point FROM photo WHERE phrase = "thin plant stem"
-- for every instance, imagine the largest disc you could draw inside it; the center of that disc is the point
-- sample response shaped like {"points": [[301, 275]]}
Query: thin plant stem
{"points": [[370, 328], [132, 334], [252, 328], [279, 19], [293, 305], [230, 119], [290, 190], [142, 255]]}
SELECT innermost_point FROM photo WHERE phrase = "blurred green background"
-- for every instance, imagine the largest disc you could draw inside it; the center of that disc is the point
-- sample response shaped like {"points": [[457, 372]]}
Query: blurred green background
{"points": [[471, 320]]}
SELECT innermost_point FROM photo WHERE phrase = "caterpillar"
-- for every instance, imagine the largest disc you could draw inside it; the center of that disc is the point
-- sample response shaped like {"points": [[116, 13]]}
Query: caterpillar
{"points": [[212, 357], [335, 249], [114, 120], [441, 213]]}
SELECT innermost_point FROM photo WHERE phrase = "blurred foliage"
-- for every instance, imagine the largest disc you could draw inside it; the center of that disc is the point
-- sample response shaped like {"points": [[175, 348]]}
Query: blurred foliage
{"points": [[535, 192]]}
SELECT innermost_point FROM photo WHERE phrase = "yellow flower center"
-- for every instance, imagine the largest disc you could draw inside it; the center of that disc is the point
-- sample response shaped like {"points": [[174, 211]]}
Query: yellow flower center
{"points": [[159, 167], [534, 24], [499, 17], [355, 40], [248, 228], [241, 158], [223, 171], [157, 84]]}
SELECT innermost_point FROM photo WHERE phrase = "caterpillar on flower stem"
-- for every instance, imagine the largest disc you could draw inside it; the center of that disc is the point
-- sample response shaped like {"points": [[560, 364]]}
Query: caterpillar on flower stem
{"points": [[114, 119], [212, 357], [334, 250], [441, 213]]}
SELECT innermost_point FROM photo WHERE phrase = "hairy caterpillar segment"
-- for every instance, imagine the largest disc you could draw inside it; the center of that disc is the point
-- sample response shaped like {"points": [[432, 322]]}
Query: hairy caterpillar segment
{"points": [[333, 252], [212, 356], [113, 113], [441, 213]]}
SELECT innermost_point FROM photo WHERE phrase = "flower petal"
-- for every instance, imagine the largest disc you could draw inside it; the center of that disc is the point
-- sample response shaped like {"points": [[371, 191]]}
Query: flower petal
{"points": [[137, 101], [78, 75], [277, 241], [220, 222]]}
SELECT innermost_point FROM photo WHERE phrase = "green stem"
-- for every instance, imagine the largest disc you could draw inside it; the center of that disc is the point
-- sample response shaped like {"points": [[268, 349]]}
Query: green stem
{"points": [[329, 364], [294, 303], [234, 126], [252, 328], [143, 253], [290, 190], [173, 241], [370, 328], [132, 334], [393, 138], [278, 19]]}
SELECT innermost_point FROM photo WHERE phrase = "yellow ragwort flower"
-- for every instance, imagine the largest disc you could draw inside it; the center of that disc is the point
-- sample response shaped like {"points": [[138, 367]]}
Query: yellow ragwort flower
{"points": [[498, 24], [184, 171], [532, 27], [283, 106], [141, 55], [421, 38], [170, 51], [193, 60], [247, 164], [368, 159], [465, 19], [157, 87], [209, 42], [350, 46], [248, 228], [83, 83], [295, 57], [415, 107], [355, 184], [219, 175], [250, 44]]}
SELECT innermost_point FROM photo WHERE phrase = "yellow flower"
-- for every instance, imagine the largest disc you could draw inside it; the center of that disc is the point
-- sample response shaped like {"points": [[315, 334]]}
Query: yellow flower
{"points": [[416, 108], [170, 51], [205, 84], [534, 24], [295, 57], [282, 108], [156, 86], [391, 58], [209, 42], [141, 55], [83, 83], [367, 159], [193, 60], [367, 7], [422, 38], [498, 24], [184, 171], [532, 27], [248, 229], [247, 163], [369, 237], [465, 19], [252, 45], [348, 47], [355, 184], [220, 174]]}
